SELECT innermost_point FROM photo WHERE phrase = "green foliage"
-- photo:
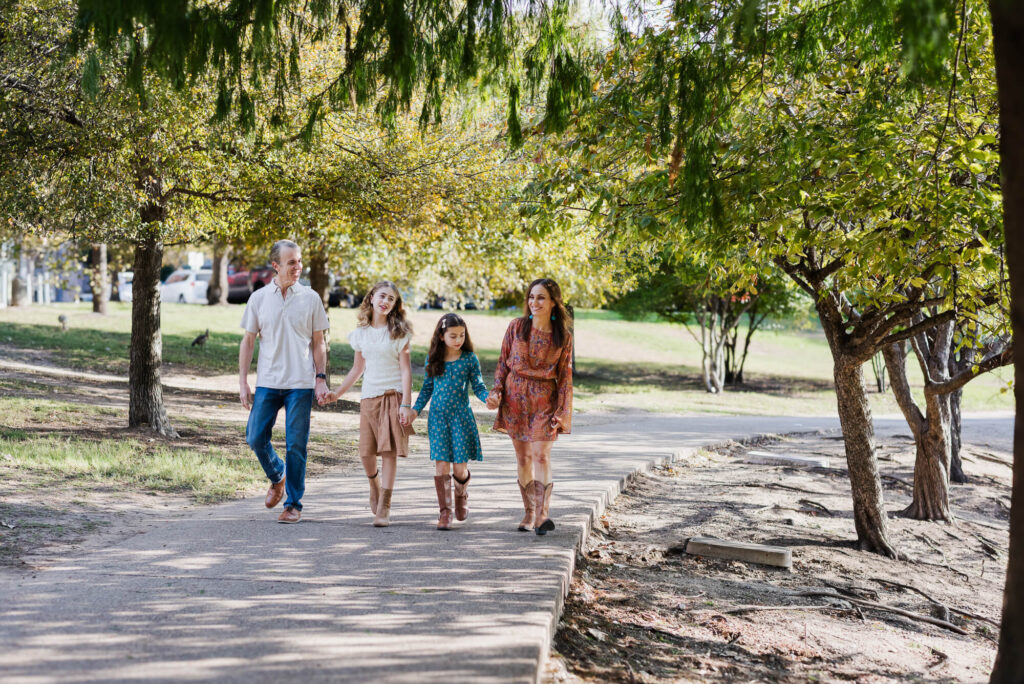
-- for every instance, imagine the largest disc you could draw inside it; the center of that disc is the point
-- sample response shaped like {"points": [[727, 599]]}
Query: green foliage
{"points": [[391, 50]]}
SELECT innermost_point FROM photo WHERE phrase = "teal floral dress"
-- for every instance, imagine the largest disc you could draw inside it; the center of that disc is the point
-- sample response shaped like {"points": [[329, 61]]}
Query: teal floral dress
{"points": [[451, 426]]}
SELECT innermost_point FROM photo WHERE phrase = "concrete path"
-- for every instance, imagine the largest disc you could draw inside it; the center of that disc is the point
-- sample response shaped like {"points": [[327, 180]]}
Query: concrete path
{"points": [[227, 594]]}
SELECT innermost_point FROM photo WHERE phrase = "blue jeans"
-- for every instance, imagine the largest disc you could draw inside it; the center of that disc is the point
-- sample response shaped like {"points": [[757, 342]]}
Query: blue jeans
{"points": [[297, 405]]}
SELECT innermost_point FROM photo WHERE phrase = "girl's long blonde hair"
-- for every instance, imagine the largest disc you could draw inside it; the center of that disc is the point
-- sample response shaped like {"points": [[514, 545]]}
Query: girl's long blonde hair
{"points": [[398, 326]]}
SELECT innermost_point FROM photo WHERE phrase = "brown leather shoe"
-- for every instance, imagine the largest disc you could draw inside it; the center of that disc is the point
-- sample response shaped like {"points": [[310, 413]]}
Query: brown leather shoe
{"points": [[275, 494], [461, 496], [542, 500], [374, 491], [289, 515], [443, 485], [527, 491], [383, 517]]}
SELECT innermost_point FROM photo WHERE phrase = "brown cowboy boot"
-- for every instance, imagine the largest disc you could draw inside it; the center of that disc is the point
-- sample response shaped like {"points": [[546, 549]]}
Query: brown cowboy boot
{"points": [[374, 491], [443, 485], [383, 517], [461, 497], [542, 499], [527, 493]]}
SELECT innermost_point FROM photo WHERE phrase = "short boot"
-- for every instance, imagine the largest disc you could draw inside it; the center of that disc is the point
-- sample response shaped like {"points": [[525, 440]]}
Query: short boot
{"points": [[374, 491], [461, 497], [542, 500], [527, 493], [383, 517], [443, 485]]}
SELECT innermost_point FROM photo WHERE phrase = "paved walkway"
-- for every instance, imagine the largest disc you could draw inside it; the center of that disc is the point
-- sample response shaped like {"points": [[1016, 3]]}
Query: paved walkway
{"points": [[228, 594]]}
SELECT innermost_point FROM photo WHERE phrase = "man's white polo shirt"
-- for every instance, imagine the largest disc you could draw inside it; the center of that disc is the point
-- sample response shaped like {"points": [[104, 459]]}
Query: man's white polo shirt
{"points": [[285, 327]]}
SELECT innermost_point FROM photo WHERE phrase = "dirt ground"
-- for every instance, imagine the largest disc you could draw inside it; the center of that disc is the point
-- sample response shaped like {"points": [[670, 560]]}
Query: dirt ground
{"points": [[641, 610]]}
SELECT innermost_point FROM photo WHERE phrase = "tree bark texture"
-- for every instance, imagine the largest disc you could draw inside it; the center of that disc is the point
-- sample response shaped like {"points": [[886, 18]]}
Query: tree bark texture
{"points": [[217, 293], [858, 431], [956, 466], [319, 277], [146, 401], [1008, 39], [859, 439], [100, 278], [931, 441]]}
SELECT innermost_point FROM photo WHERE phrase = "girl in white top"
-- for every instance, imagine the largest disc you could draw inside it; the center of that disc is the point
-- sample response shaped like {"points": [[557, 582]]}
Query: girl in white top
{"points": [[381, 344]]}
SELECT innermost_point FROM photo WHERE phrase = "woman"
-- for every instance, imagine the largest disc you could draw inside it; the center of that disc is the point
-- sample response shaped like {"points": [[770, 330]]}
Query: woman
{"points": [[533, 394]]}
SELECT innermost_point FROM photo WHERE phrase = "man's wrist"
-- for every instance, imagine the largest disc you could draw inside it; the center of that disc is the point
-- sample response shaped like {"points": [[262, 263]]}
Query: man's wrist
{"points": [[321, 376]]}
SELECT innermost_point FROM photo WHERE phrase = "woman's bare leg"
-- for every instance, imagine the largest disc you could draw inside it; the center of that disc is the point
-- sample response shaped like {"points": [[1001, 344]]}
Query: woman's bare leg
{"points": [[540, 456], [524, 462]]}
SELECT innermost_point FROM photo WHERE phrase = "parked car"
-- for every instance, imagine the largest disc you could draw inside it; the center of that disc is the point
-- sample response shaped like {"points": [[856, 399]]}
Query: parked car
{"points": [[241, 284], [186, 286], [124, 286]]}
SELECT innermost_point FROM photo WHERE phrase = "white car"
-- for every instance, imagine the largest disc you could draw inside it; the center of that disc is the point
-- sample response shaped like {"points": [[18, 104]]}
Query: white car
{"points": [[186, 286]]}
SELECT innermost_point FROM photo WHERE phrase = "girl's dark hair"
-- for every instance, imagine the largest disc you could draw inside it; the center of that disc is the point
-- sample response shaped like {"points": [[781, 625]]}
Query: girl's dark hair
{"points": [[435, 357], [562, 323]]}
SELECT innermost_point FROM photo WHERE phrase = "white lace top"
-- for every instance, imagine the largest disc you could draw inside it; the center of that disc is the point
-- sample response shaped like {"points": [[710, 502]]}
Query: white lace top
{"points": [[381, 352]]}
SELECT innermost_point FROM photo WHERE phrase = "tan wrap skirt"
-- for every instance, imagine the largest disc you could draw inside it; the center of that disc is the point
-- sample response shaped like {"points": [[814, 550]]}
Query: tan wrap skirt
{"points": [[380, 433]]}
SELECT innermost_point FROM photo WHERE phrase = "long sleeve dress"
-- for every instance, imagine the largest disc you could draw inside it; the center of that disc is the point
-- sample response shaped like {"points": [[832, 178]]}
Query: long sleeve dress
{"points": [[534, 383], [451, 426]]}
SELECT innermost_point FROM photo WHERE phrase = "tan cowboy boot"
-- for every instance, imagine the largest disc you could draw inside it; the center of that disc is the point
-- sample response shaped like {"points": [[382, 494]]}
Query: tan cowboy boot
{"points": [[461, 497], [383, 517], [374, 491], [542, 499], [443, 485], [527, 493]]}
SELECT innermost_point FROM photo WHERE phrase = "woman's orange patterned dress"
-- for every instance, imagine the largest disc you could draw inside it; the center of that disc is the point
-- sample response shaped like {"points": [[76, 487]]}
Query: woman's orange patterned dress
{"points": [[534, 383]]}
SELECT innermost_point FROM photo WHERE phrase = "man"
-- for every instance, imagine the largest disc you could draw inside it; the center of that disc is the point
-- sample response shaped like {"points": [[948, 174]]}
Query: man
{"points": [[290, 320]]}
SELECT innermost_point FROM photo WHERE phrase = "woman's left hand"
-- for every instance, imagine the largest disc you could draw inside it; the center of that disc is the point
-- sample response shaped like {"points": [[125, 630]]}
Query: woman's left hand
{"points": [[556, 422], [406, 416]]}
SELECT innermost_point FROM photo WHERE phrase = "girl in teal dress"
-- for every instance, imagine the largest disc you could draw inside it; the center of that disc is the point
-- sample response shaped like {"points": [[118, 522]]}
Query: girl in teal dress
{"points": [[452, 368]]}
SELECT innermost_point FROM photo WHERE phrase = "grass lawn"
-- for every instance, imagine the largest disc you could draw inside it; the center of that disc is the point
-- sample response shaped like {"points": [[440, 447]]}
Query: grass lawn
{"points": [[621, 365]]}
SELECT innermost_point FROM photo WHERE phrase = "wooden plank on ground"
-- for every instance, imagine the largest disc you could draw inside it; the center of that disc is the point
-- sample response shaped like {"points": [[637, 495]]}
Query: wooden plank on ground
{"points": [[767, 458], [779, 556]]}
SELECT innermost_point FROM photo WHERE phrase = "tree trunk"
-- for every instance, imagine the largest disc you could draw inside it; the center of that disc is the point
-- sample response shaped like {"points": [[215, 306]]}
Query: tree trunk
{"points": [[146, 399], [931, 467], [1008, 39], [100, 278], [956, 467], [931, 430], [859, 439], [217, 293], [319, 277], [19, 292]]}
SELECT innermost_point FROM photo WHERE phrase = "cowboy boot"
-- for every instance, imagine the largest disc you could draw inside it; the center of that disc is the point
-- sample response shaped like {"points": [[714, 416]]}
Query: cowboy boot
{"points": [[374, 491], [461, 497], [527, 493], [542, 499], [383, 517], [443, 485]]}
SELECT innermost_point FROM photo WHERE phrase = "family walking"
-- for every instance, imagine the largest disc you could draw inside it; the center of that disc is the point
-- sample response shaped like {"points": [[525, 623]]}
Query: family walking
{"points": [[532, 391]]}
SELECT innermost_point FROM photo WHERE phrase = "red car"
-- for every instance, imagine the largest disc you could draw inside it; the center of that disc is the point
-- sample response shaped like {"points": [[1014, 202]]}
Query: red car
{"points": [[241, 284]]}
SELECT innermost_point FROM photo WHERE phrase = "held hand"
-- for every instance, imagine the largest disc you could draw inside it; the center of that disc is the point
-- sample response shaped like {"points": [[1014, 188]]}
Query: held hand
{"points": [[556, 422], [493, 401], [329, 397], [415, 415], [406, 416], [245, 395], [321, 391]]}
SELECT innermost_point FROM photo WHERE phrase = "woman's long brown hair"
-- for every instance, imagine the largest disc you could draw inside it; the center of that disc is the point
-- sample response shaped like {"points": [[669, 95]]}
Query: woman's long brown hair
{"points": [[435, 357], [398, 326], [561, 323]]}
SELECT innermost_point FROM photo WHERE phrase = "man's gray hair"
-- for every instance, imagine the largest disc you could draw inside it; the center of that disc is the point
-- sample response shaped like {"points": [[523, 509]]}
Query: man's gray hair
{"points": [[275, 250]]}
